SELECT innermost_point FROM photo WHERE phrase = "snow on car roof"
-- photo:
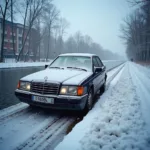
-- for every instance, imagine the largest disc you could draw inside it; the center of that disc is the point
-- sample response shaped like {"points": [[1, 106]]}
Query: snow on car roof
{"points": [[78, 54]]}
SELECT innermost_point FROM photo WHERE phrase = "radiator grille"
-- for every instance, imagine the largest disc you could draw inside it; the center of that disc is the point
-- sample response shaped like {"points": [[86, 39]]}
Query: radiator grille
{"points": [[45, 88]]}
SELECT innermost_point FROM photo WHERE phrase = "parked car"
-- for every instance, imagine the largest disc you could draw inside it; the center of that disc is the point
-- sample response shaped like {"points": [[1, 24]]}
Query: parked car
{"points": [[69, 82]]}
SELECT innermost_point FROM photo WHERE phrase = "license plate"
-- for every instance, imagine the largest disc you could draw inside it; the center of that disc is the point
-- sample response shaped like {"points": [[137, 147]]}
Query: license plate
{"points": [[43, 99]]}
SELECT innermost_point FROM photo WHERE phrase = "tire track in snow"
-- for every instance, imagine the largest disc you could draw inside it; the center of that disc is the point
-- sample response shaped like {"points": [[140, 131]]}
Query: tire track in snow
{"points": [[15, 132], [113, 76], [27, 112], [41, 135], [57, 137], [141, 81], [14, 115], [49, 135], [12, 111]]}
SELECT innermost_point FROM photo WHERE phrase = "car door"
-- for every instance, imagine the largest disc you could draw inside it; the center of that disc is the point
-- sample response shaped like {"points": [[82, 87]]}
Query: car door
{"points": [[97, 76], [102, 74]]}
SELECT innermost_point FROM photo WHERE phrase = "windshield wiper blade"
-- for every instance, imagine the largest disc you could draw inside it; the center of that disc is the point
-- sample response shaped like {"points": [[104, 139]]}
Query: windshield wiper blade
{"points": [[56, 67], [77, 68]]}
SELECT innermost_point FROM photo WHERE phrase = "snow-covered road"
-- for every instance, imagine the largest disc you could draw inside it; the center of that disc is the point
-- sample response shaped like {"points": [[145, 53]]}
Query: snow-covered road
{"points": [[33, 128], [22, 127], [120, 119], [141, 81]]}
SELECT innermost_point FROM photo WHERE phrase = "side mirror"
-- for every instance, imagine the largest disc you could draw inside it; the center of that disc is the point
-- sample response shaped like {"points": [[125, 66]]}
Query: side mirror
{"points": [[104, 67], [97, 69], [46, 66]]}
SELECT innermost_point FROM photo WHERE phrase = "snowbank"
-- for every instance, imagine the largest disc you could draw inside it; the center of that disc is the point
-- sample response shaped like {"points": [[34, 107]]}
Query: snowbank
{"points": [[23, 64], [115, 122]]}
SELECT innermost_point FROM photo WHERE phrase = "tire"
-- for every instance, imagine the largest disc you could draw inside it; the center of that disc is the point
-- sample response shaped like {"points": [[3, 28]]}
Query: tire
{"points": [[89, 103], [103, 88]]}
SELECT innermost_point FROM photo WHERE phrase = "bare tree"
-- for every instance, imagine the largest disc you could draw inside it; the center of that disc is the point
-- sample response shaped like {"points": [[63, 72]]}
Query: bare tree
{"points": [[136, 31], [60, 30], [78, 37], [88, 41], [55, 34], [40, 34], [39, 37], [3, 10], [50, 17], [137, 2], [12, 26], [36, 8], [63, 26]]}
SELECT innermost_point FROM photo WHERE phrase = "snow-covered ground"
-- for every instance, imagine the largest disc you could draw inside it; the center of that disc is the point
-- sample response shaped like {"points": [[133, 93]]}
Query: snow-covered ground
{"points": [[22, 64], [120, 119], [109, 63]]}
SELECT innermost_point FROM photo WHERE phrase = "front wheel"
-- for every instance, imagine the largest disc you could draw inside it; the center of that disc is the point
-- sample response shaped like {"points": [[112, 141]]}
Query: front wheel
{"points": [[89, 103], [103, 88]]}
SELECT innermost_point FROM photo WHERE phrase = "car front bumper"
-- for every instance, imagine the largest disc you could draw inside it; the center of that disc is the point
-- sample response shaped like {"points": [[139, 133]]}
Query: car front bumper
{"points": [[60, 101]]}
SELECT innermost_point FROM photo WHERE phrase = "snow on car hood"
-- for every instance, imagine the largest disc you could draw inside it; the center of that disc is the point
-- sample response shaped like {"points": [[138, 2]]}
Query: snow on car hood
{"points": [[66, 76]]}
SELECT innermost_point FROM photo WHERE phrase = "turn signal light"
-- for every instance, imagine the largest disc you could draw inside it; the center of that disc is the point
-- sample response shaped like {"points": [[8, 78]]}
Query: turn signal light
{"points": [[80, 90], [18, 85]]}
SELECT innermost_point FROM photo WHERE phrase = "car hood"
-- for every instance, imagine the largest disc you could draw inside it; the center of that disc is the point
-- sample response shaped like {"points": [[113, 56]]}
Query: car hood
{"points": [[65, 76]]}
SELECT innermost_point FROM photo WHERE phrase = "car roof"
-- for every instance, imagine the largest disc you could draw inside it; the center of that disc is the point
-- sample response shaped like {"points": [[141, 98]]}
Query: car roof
{"points": [[78, 54]]}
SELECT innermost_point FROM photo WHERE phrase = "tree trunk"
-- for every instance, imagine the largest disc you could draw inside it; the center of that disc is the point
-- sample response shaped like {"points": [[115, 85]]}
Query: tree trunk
{"points": [[48, 44], [3, 36], [39, 50], [12, 28], [23, 41], [28, 52], [23, 44]]}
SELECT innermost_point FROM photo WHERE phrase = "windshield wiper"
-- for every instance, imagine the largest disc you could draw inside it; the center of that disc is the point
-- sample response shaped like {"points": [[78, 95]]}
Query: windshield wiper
{"points": [[77, 68], [56, 67]]}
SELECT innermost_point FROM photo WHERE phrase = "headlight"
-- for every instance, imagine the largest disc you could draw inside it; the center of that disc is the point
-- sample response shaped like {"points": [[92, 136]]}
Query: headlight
{"points": [[23, 85], [64, 90], [72, 90]]}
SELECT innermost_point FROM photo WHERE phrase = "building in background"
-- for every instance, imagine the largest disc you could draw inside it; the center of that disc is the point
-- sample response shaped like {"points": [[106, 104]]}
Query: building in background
{"points": [[30, 47]]}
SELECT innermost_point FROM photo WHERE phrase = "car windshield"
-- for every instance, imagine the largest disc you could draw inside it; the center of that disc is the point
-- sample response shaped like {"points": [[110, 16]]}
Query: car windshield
{"points": [[74, 62]]}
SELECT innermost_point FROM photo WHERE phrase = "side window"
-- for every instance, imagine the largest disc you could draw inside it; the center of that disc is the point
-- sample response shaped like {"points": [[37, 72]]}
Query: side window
{"points": [[95, 63], [99, 62]]}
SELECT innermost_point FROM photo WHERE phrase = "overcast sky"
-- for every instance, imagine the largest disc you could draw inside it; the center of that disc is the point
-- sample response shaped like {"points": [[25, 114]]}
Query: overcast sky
{"points": [[100, 19]]}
